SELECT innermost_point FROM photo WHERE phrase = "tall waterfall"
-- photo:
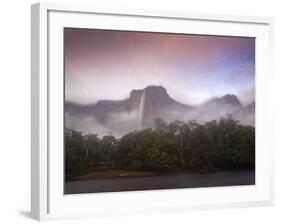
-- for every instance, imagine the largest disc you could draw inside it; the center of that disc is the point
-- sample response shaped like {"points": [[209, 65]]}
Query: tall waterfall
{"points": [[141, 109]]}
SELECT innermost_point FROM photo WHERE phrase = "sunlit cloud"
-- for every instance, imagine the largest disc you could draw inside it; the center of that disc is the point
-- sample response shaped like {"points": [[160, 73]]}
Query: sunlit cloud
{"points": [[109, 64]]}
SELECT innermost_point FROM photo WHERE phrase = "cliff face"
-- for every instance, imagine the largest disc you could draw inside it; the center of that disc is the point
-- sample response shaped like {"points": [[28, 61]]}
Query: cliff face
{"points": [[143, 106], [134, 99], [155, 102]]}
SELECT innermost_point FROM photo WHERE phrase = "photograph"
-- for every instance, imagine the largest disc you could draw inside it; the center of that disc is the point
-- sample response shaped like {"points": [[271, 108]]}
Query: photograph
{"points": [[157, 110]]}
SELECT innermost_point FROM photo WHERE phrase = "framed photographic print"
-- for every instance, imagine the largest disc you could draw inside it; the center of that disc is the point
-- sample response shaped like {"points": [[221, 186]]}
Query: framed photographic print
{"points": [[138, 111]]}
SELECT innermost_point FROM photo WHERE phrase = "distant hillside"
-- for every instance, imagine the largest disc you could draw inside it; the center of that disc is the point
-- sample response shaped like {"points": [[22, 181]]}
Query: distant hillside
{"points": [[143, 106]]}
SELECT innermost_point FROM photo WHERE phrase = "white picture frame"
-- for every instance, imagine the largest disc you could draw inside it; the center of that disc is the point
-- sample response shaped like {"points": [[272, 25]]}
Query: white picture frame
{"points": [[47, 198]]}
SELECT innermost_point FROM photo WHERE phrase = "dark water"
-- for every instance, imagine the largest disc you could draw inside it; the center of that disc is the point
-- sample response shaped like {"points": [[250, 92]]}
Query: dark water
{"points": [[161, 182]]}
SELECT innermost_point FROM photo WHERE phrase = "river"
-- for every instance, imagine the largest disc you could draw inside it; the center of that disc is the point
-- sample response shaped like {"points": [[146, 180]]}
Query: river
{"points": [[190, 180]]}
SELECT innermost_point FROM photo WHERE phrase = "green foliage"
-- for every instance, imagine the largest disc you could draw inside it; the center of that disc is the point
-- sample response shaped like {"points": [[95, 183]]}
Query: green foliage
{"points": [[76, 161], [176, 146]]}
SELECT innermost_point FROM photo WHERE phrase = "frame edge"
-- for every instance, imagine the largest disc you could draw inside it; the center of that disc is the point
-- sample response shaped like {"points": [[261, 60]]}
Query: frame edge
{"points": [[39, 144], [39, 169], [35, 177]]}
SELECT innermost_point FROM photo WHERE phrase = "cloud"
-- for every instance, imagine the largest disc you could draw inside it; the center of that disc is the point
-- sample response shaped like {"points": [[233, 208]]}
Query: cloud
{"points": [[120, 124], [109, 64], [117, 124], [248, 96]]}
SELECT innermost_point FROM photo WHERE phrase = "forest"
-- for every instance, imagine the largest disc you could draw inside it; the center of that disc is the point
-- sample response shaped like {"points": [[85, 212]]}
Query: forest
{"points": [[217, 145]]}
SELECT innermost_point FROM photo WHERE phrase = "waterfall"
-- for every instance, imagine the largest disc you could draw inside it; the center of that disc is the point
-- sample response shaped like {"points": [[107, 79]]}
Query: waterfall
{"points": [[141, 109]]}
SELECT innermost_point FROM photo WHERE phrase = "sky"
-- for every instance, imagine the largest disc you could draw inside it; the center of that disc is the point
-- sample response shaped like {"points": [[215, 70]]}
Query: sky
{"points": [[103, 64]]}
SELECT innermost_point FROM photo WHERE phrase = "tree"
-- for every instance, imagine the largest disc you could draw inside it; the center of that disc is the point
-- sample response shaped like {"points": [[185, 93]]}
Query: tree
{"points": [[160, 124], [76, 162], [108, 143], [177, 146]]}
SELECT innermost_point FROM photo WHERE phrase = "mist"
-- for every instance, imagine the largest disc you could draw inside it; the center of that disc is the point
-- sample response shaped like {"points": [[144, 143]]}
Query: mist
{"points": [[120, 124], [117, 124]]}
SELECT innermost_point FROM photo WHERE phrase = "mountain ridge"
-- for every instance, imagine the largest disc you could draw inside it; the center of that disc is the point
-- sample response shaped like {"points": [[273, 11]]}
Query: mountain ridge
{"points": [[101, 108], [227, 98], [143, 106]]}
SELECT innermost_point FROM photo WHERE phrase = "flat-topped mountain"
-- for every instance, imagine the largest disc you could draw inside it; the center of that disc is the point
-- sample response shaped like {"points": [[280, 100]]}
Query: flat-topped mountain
{"points": [[149, 102], [143, 106]]}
